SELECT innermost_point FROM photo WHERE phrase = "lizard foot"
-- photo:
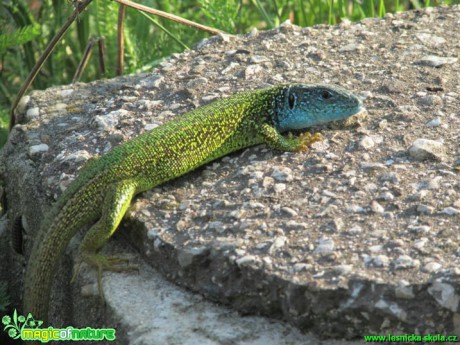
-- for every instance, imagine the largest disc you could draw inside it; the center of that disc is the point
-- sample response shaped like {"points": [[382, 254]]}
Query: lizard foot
{"points": [[103, 263], [306, 139]]}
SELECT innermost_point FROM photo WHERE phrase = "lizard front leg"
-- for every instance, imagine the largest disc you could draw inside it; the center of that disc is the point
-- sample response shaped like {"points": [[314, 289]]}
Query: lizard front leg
{"points": [[287, 143], [116, 202]]}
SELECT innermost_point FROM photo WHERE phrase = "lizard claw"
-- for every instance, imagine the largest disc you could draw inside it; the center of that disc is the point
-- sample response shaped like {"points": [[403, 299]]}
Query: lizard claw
{"points": [[306, 139], [103, 263]]}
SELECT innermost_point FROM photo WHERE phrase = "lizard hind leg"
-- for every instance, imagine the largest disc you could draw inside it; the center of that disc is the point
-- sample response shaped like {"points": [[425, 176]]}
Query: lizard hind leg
{"points": [[116, 202]]}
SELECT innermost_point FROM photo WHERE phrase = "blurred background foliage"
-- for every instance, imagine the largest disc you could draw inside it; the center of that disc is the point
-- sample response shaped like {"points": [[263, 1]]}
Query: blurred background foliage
{"points": [[27, 26]]}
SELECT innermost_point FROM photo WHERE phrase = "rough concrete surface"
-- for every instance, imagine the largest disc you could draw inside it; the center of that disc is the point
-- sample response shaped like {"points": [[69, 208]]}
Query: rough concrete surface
{"points": [[358, 236]]}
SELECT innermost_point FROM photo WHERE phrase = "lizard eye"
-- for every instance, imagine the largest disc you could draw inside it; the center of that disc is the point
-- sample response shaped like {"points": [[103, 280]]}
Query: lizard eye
{"points": [[291, 100], [326, 94]]}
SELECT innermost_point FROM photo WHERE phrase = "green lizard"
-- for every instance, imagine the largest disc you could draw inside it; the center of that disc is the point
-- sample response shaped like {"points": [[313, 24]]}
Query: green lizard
{"points": [[105, 187]]}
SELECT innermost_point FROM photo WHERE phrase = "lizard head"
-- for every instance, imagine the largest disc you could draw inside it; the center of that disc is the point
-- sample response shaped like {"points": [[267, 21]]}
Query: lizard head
{"points": [[299, 106]]}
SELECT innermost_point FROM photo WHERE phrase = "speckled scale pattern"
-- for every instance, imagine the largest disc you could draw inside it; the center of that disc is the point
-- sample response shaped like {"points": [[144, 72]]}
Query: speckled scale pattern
{"points": [[195, 138], [104, 188]]}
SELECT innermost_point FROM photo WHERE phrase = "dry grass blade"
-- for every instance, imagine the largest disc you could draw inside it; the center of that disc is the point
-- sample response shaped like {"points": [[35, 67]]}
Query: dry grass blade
{"points": [[87, 55], [120, 40], [169, 16], [101, 44]]}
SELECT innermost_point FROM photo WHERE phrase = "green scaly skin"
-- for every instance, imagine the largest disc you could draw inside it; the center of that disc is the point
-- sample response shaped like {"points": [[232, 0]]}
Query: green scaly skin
{"points": [[105, 187]]}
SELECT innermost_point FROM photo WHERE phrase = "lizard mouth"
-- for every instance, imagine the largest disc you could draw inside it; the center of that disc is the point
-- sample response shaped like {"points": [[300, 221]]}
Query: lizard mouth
{"points": [[353, 120]]}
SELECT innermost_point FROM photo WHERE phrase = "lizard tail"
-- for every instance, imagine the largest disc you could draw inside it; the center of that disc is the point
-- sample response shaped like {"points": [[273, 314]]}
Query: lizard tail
{"points": [[53, 237]]}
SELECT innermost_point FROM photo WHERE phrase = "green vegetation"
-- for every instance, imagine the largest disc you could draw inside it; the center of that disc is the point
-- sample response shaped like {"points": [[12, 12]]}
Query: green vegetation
{"points": [[28, 26], [3, 126]]}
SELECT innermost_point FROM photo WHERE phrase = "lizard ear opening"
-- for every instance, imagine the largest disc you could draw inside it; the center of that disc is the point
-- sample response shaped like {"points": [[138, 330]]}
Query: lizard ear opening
{"points": [[291, 101]]}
